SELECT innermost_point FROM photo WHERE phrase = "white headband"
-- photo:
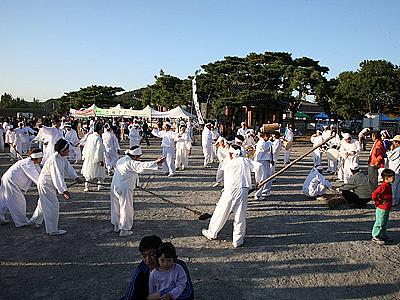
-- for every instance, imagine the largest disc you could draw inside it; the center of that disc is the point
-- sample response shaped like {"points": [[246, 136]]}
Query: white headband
{"points": [[36, 155], [137, 151], [65, 147]]}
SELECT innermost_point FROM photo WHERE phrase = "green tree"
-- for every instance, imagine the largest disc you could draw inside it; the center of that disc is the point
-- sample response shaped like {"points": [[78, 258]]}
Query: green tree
{"points": [[102, 96]]}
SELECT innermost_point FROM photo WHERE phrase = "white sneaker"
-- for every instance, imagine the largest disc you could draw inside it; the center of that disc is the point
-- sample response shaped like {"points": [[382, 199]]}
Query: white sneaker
{"points": [[116, 228], [99, 188], [171, 175], [207, 234], [215, 184], [58, 232], [267, 194], [86, 189], [123, 233]]}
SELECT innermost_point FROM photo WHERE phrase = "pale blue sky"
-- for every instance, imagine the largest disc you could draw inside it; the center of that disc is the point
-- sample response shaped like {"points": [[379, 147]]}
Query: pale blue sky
{"points": [[50, 47]]}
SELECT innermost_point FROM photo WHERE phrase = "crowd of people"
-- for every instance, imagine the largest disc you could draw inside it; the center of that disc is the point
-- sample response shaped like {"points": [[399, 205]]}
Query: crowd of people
{"points": [[53, 150]]}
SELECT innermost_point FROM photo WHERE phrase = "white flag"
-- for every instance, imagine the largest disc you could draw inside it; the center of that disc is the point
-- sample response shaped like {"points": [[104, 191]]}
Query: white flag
{"points": [[196, 102]]}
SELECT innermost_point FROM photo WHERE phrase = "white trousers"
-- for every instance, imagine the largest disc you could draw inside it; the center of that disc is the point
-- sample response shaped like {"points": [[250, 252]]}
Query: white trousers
{"points": [[332, 165], [220, 174], [75, 153], [47, 208], [207, 151], [12, 198], [182, 158], [121, 208], [316, 157], [169, 164], [266, 188], [288, 151], [231, 201]]}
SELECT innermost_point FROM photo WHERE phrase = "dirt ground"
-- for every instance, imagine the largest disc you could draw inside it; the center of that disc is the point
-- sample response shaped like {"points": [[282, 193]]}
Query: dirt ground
{"points": [[295, 247]]}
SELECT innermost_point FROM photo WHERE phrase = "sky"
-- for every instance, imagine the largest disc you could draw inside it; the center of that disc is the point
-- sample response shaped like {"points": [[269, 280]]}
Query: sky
{"points": [[51, 47]]}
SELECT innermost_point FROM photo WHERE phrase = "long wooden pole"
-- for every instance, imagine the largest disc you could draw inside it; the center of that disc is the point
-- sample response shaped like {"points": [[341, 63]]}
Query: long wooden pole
{"points": [[260, 184]]}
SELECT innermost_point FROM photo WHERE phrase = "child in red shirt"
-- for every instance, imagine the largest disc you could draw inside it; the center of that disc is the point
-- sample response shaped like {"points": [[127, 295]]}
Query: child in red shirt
{"points": [[382, 197]]}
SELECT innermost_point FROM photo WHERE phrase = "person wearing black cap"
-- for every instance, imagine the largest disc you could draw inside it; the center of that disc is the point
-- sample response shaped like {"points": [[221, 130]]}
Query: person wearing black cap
{"points": [[357, 191]]}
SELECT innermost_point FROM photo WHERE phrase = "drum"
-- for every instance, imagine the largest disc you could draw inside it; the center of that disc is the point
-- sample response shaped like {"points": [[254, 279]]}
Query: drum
{"points": [[270, 127], [333, 154]]}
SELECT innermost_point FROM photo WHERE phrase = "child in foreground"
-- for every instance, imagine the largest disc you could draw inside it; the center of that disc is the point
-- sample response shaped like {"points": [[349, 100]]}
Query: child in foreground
{"points": [[168, 280], [382, 197]]}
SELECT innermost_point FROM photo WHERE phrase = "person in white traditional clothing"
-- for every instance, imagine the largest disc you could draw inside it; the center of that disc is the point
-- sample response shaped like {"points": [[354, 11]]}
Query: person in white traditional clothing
{"points": [[394, 164], [124, 182], [134, 135], [72, 138], [50, 135], [52, 180], [317, 139], [1, 139], [237, 181], [111, 146], [190, 129], [264, 155], [19, 142], [93, 155], [16, 180], [183, 148], [239, 140], [168, 148], [222, 152], [276, 149], [288, 138], [87, 131], [206, 143], [215, 136], [315, 184], [10, 140], [249, 138], [349, 153], [243, 130], [26, 133]]}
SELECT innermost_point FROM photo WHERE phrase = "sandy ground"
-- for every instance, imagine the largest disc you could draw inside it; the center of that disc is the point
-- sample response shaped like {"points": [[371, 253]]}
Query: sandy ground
{"points": [[295, 247]]}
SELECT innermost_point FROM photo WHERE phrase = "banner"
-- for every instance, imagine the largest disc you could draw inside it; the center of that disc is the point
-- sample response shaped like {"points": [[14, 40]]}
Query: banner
{"points": [[196, 102]]}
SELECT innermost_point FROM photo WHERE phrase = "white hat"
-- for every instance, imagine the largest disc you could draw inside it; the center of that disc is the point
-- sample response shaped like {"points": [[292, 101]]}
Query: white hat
{"points": [[396, 138], [181, 123], [346, 136], [67, 124], [136, 151], [221, 139]]}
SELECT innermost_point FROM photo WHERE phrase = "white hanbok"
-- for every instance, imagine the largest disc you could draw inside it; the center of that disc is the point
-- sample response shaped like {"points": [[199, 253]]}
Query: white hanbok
{"points": [[93, 154], [111, 146], [1, 139], [19, 142], [51, 135], [289, 136], [74, 149], [263, 155], [222, 153], [125, 180], [16, 180], [10, 140], [276, 150], [183, 146], [349, 153], [168, 149], [207, 142], [134, 136], [51, 180], [237, 181], [316, 140], [315, 184]]}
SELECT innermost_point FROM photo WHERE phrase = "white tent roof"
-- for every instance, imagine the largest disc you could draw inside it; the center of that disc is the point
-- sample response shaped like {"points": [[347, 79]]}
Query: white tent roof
{"points": [[175, 113]]}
